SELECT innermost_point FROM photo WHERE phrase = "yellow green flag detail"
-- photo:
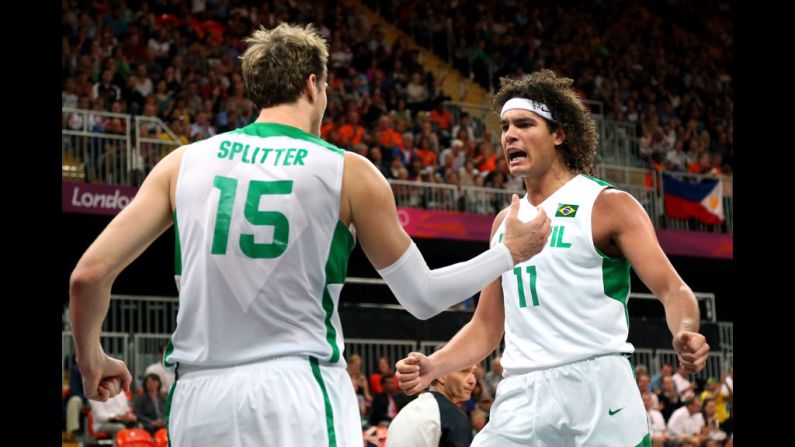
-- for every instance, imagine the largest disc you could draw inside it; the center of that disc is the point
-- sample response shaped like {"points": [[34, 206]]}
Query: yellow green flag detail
{"points": [[565, 210]]}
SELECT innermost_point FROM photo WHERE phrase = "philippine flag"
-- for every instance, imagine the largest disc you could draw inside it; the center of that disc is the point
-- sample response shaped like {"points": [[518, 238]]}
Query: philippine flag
{"points": [[704, 200]]}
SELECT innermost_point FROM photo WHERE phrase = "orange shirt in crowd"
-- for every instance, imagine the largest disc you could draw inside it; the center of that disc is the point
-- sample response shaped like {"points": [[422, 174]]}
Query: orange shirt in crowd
{"points": [[694, 167], [351, 135], [444, 120], [326, 129], [390, 138], [375, 383], [488, 165], [428, 157]]}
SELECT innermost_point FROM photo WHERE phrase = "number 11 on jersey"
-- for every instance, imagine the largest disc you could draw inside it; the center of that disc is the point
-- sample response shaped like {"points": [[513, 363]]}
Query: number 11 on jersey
{"points": [[531, 270]]}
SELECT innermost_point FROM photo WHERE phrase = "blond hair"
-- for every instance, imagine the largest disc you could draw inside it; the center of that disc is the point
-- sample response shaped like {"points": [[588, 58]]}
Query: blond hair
{"points": [[278, 62]]}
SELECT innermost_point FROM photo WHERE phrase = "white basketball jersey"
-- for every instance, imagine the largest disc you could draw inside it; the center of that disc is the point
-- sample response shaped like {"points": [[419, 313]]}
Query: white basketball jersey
{"points": [[568, 302], [261, 253]]}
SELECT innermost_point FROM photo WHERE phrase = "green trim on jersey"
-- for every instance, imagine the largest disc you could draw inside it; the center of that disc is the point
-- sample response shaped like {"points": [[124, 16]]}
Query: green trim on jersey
{"points": [[332, 435], [336, 270], [599, 181], [646, 442], [177, 272], [177, 247], [616, 279], [266, 130], [169, 350], [615, 271]]}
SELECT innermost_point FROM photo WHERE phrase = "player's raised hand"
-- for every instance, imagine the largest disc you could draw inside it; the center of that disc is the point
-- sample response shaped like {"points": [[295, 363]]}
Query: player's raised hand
{"points": [[413, 373], [525, 239]]}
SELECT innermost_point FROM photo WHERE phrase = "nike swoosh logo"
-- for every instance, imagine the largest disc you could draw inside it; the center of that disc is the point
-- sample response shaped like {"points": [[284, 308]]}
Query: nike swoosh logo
{"points": [[611, 412]]}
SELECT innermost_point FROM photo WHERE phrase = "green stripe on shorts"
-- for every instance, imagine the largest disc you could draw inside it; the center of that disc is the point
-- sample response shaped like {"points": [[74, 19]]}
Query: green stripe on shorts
{"points": [[332, 437]]}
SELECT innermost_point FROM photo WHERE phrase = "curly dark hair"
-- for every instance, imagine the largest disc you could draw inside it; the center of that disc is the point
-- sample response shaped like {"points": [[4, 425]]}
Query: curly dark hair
{"points": [[568, 111]]}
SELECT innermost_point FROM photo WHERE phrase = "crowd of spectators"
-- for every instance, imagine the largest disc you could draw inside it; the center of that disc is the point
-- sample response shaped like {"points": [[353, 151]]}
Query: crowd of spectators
{"points": [[665, 66], [683, 411], [179, 61]]}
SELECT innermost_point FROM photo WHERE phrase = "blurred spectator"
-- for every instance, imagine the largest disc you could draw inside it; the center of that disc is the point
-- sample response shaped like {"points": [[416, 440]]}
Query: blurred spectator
{"points": [[443, 119], [74, 402], [145, 86], [132, 96], [481, 395], [201, 129], [387, 404], [459, 156], [160, 44], [656, 382], [657, 430], [669, 397], [166, 376], [163, 97], [383, 367], [69, 94], [113, 415], [105, 88], [684, 387], [351, 132], [676, 160], [486, 159], [150, 407], [425, 152], [416, 93], [359, 381], [465, 125], [644, 382], [712, 429], [686, 423]]}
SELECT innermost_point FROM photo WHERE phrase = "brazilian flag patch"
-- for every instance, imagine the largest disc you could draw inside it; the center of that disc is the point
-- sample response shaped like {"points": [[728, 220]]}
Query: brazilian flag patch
{"points": [[566, 210]]}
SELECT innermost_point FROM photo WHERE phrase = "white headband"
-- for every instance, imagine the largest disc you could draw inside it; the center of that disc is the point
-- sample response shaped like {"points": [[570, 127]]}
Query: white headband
{"points": [[527, 104]]}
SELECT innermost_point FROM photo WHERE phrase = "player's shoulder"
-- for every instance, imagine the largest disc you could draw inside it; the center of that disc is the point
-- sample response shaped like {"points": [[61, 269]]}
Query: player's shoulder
{"points": [[355, 159], [361, 170], [615, 203]]}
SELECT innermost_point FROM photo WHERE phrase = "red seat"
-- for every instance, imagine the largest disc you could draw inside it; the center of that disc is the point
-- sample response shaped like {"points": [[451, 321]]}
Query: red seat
{"points": [[161, 438], [134, 437]]}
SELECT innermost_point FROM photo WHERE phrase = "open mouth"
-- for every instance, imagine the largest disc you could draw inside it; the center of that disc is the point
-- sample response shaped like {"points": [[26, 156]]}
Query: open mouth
{"points": [[516, 154]]}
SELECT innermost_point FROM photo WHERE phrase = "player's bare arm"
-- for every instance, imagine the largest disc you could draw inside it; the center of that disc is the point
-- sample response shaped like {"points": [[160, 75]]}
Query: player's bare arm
{"points": [[146, 217], [621, 227], [470, 345]]}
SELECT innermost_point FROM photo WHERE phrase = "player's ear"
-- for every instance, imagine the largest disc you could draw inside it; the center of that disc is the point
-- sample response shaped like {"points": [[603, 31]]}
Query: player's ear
{"points": [[558, 136]]}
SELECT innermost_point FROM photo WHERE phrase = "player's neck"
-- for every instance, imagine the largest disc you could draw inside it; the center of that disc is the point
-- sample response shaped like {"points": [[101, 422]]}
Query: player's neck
{"points": [[296, 114], [542, 186]]}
